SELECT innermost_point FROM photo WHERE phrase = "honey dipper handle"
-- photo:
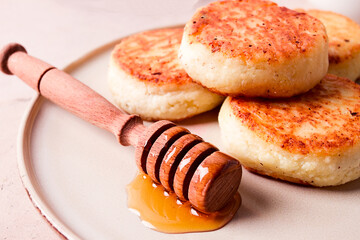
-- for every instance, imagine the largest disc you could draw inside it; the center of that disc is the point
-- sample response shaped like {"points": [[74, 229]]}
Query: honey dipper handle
{"points": [[70, 94]]}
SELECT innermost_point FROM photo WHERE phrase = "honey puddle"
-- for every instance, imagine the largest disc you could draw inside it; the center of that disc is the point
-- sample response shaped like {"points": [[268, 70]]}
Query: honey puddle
{"points": [[164, 212]]}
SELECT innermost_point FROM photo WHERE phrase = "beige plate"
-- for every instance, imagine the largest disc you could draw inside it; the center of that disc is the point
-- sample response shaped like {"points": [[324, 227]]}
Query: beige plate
{"points": [[76, 175]]}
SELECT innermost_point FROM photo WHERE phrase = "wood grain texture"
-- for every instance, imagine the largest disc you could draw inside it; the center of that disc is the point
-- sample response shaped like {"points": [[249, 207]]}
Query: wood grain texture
{"points": [[26, 67], [146, 140], [6, 52], [217, 178], [173, 157], [159, 149], [187, 167], [79, 99], [153, 143], [69, 93]]}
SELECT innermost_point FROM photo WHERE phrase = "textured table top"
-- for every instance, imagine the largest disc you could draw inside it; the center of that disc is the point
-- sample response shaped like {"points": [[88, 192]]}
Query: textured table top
{"points": [[59, 32]]}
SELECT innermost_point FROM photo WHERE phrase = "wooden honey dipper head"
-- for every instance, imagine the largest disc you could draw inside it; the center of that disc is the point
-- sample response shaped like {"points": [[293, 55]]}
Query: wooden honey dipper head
{"points": [[182, 162]]}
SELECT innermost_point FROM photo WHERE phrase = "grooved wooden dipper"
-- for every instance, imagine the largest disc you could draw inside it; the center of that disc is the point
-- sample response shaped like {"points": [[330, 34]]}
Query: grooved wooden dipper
{"points": [[182, 162]]}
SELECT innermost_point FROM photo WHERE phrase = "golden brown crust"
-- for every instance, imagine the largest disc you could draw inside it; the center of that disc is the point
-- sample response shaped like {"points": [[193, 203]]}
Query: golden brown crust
{"points": [[151, 56], [255, 30], [321, 121], [343, 33]]}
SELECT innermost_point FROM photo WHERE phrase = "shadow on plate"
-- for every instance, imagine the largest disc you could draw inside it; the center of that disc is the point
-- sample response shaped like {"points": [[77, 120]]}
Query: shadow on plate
{"points": [[350, 186], [206, 117], [254, 202]]}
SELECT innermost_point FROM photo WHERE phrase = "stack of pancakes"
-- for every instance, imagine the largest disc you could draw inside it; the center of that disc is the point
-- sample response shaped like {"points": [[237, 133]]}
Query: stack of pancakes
{"points": [[283, 116]]}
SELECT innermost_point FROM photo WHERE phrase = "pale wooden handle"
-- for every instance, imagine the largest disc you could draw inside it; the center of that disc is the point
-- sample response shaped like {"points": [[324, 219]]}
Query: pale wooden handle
{"points": [[70, 94], [207, 177]]}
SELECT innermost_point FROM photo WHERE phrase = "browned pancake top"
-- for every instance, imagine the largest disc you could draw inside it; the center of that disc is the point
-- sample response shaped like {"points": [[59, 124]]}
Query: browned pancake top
{"points": [[152, 56], [255, 30], [343, 33], [322, 120]]}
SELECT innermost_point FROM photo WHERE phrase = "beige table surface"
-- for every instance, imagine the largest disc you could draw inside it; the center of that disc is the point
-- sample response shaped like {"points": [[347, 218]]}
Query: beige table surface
{"points": [[58, 31]]}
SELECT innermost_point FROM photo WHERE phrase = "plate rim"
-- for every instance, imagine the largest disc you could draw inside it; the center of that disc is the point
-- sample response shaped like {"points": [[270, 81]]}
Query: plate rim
{"points": [[24, 149], [24, 135]]}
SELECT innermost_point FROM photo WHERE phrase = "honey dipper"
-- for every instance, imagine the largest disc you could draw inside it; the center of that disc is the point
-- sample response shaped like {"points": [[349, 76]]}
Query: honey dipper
{"points": [[182, 162]]}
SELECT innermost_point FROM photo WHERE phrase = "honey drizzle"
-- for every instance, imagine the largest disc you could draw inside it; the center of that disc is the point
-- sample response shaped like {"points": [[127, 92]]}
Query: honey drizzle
{"points": [[164, 212]]}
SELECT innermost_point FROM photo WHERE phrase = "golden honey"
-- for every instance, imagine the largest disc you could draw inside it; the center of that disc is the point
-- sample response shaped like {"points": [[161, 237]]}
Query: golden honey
{"points": [[164, 212]]}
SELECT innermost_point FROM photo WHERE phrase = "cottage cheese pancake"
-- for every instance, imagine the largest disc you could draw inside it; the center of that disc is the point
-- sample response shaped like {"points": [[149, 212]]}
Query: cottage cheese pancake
{"points": [[311, 139], [254, 48], [145, 78], [344, 43]]}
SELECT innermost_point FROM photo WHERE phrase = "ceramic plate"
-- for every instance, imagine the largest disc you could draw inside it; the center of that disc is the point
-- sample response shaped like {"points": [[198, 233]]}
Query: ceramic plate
{"points": [[76, 174]]}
